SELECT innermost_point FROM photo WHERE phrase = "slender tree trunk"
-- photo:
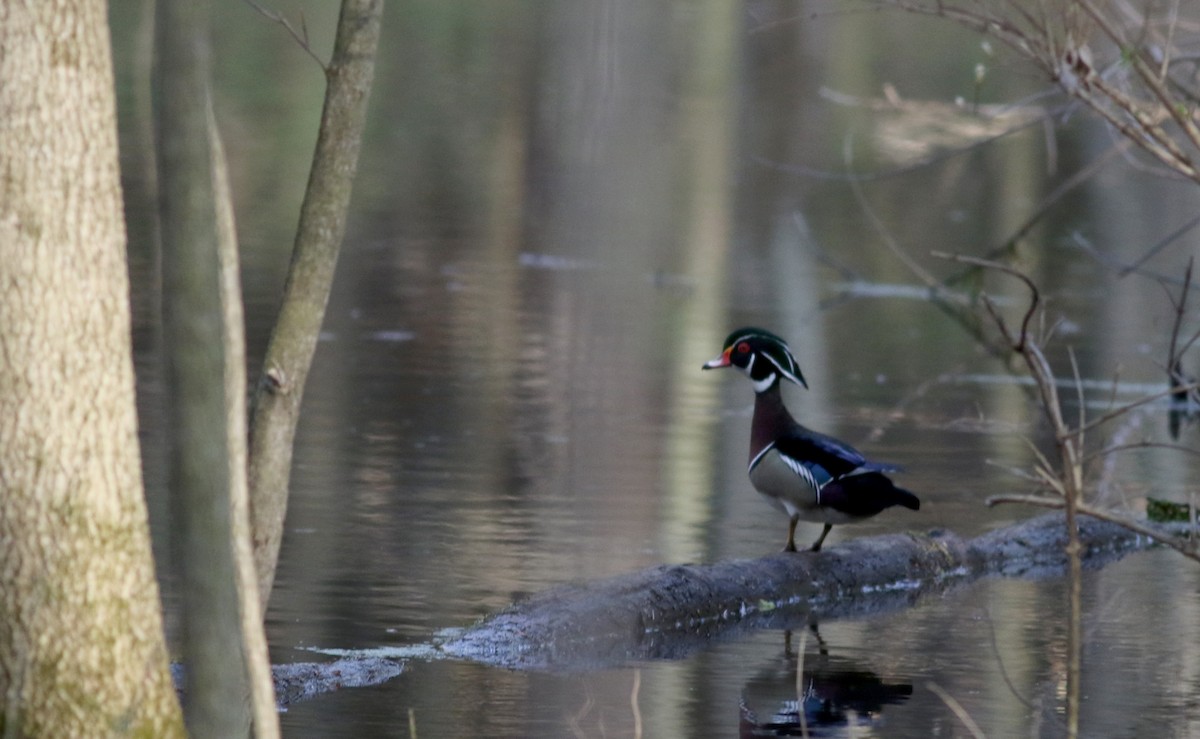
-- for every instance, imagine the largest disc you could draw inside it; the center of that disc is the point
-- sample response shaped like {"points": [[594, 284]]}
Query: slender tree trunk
{"points": [[276, 408], [194, 343], [81, 642], [258, 662]]}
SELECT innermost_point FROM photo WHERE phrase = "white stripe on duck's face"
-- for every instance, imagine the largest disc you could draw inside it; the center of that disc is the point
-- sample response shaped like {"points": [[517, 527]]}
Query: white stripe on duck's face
{"points": [[749, 368], [785, 364], [763, 384]]}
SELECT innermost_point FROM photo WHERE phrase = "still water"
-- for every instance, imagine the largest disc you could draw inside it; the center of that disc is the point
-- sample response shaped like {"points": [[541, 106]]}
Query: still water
{"points": [[561, 211]]}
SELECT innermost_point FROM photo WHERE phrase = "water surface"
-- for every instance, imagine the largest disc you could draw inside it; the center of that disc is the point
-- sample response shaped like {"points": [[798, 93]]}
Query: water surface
{"points": [[561, 212]]}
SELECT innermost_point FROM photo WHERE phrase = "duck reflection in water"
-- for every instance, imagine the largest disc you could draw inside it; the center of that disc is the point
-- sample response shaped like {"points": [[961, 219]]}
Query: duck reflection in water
{"points": [[818, 696]]}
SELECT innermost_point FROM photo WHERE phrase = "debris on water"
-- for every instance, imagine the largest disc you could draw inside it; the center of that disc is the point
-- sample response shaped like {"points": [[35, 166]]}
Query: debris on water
{"points": [[553, 262], [1106, 386], [392, 336]]}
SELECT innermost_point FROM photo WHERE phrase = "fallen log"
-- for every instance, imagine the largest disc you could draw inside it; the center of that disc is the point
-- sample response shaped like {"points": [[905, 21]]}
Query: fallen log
{"points": [[669, 611]]}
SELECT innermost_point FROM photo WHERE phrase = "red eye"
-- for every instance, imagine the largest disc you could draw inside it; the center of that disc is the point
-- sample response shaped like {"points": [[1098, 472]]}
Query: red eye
{"points": [[743, 347]]}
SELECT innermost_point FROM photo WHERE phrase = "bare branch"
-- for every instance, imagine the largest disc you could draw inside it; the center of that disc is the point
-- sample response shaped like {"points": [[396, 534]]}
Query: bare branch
{"points": [[1115, 264], [1184, 547], [1044, 501], [1139, 445], [1152, 81], [1078, 397], [1118, 412], [1174, 353], [957, 709], [1034, 298], [923, 274], [301, 36], [1056, 44]]}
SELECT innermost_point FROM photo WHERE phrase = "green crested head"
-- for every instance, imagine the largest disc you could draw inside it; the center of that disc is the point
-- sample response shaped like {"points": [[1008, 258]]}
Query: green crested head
{"points": [[762, 355]]}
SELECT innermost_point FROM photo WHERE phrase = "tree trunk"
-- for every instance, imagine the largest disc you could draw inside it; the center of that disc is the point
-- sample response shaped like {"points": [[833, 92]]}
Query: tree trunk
{"points": [[194, 345], [82, 650], [276, 407], [263, 704]]}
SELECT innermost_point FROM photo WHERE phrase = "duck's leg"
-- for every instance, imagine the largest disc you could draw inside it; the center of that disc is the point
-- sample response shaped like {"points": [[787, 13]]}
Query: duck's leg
{"points": [[816, 547], [791, 542], [822, 648]]}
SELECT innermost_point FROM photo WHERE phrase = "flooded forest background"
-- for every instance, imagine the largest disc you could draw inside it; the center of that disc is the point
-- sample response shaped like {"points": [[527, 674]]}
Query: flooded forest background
{"points": [[562, 208]]}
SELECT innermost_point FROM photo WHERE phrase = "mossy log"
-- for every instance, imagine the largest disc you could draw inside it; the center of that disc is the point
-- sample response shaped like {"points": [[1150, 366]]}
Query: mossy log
{"points": [[671, 611], [668, 611]]}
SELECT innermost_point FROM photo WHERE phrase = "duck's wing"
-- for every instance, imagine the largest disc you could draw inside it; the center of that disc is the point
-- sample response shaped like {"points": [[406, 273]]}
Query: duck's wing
{"points": [[836, 457], [865, 494]]}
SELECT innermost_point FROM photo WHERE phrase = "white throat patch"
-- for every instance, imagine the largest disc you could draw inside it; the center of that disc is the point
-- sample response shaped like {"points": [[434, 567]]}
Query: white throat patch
{"points": [[763, 384]]}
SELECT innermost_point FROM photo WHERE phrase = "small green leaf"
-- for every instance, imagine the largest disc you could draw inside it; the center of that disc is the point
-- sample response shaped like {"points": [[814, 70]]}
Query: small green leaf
{"points": [[1165, 510]]}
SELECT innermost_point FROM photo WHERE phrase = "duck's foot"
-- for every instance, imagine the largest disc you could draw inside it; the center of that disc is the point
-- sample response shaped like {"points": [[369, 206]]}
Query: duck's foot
{"points": [[816, 547], [791, 542]]}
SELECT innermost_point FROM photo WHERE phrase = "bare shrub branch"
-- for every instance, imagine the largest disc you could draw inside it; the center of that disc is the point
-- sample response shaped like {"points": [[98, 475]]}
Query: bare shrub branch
{"points": [[300, 36], [1066, 479], [1120, 67]]}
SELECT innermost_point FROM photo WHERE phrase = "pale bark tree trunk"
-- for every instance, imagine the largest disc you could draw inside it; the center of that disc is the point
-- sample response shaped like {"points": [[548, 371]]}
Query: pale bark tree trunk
{"points": [[258, 662], [81, 642]]}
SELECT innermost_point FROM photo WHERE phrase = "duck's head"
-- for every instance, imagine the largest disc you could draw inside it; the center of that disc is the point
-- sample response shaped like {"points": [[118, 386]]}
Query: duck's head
{"points": [[762, 355]]}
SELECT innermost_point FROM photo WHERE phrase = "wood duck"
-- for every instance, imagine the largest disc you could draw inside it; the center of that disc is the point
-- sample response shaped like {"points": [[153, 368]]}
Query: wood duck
{"points": [[806, 474]]}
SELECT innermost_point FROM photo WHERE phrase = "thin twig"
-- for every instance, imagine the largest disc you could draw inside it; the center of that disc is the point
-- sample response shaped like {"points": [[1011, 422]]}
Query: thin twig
{"points": [[801, 690], [957, 709], [1108, 260], [1146, 73], [301, 36], [1000, 663], [1018, 472], [1020, 341], [930, 281], [1137, 445], [1044, 501], [1078, 398], [634, 702], [1174, 353], [1163, 243], [1056, 46], [1132, 405]]}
